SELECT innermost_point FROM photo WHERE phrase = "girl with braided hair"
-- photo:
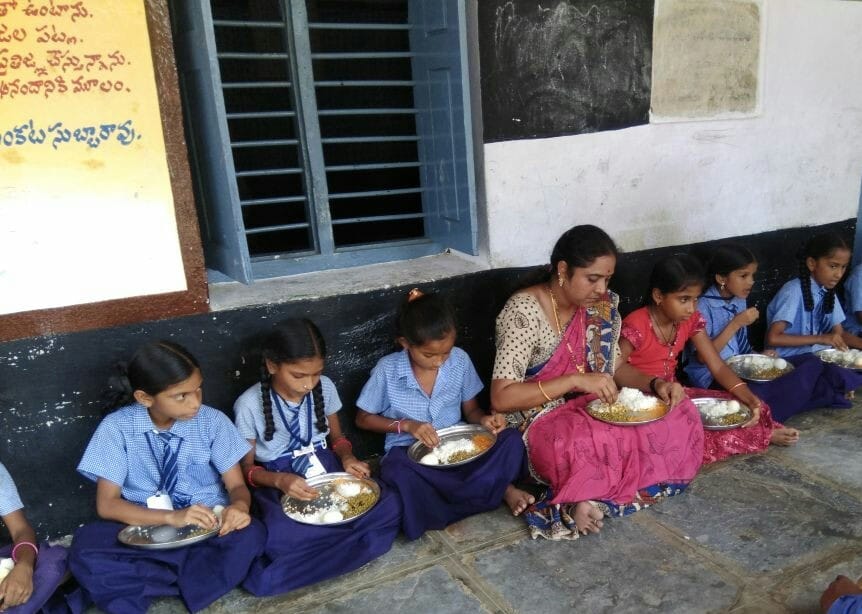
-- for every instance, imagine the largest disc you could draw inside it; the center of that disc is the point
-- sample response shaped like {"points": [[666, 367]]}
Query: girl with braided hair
{"points": [[290, 420], [804, 316]]}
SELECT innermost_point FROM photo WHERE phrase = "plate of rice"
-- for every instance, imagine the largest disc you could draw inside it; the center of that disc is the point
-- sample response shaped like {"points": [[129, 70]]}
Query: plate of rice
{"points": [[343, 498], [758, 367], [721, 414], [850, 359], [459, 444], [632, 407]]}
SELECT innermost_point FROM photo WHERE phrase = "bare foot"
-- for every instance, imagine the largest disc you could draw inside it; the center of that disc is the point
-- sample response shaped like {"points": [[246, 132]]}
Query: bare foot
{"points": [[518, 500], [784, 437], [850, 395], [588, 518]]}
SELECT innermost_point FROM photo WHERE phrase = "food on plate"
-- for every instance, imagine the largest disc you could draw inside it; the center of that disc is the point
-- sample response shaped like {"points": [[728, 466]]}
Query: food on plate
{"points": [[720, 412], [339, 500], [631, 405], [457, 450]]}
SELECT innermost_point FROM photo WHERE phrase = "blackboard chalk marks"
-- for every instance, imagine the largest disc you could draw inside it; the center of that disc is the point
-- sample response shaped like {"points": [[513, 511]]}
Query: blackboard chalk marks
{"points": [[564, 66]]}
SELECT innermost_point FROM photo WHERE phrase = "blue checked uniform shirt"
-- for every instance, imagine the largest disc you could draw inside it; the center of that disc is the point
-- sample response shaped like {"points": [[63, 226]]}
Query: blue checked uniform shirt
{"points": [[853, 300], [248, 416], [393, 392], [717, 312], [10, 501], [120, 453], [787, 306]]}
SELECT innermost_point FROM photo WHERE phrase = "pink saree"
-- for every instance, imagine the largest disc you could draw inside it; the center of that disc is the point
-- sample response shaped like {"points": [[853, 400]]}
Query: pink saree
{"points": [[581, 458]]}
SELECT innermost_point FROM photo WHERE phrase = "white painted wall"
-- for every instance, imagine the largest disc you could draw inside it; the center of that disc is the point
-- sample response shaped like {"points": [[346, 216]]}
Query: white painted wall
{"points": [[799, 163]]}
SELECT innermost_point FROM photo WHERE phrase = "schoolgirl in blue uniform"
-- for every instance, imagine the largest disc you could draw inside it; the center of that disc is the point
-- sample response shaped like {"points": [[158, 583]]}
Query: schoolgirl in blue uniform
{"points": [[286, 417], [425, 387], [164, 459], [804, 316], [38, 569]]}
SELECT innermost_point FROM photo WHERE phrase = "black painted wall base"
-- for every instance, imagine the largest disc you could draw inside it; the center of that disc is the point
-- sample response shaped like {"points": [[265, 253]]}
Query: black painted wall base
{"points": [[50, 387]]}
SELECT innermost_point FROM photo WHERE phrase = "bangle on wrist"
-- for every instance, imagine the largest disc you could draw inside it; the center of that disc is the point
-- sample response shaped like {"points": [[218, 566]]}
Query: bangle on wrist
{"points": [[735, 386], [27, 544], [542, 390], [397, 424], [249, 476], [652, 385], [341, 441]]}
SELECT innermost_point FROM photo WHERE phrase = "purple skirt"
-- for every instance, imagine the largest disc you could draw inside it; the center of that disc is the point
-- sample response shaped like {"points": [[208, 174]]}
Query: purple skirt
{"points": [[298, 554], [124, 579], [49, 573], [812, 384], [435, 498]]}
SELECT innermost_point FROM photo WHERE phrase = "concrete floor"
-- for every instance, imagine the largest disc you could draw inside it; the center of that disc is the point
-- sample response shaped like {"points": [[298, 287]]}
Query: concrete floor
{"points": [[759, 534]]}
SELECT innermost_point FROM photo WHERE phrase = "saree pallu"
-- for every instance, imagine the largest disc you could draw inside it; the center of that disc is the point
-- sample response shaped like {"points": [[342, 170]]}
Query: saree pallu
{"points": [[298, 554], [719, 445], [121, 578], [433, 498]]}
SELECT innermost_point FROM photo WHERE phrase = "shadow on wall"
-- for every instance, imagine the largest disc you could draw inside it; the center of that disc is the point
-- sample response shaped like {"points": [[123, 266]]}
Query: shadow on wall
{"points": [[50, 387]]}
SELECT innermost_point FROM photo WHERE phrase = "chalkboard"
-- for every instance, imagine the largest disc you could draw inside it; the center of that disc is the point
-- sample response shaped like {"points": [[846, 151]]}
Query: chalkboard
{"points": [[555, 67]]}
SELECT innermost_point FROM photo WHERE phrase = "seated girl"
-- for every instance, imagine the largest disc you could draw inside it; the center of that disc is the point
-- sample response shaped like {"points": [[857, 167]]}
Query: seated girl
{"points": [[655, 335], [286, 417], [425, 387], [804, 316], [36, 571], [163, 458]]}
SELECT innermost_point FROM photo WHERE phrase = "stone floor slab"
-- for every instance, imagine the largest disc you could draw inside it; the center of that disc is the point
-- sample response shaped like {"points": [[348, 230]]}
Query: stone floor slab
{"points": [[484, 529], [624, 569], [762, 515], [429, 590]]}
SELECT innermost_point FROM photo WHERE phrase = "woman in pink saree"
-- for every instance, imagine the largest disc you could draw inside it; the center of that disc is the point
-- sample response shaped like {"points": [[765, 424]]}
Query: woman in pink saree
{"points": [[557, 349]]}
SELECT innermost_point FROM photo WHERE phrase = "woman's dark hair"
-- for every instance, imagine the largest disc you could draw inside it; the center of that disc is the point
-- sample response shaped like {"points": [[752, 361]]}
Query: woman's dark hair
{"points": [[289, 341], [579, 247], [154, 368], [424, 317], [675, 273], [728, 257], [819, 246]]}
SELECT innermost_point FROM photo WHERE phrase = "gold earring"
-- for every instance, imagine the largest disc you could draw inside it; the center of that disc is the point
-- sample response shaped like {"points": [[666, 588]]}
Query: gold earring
{"points": [[560, 279]]}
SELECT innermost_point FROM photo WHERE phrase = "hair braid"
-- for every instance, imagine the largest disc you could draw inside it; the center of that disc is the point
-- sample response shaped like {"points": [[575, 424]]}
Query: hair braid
{"points": [[829, 301], [319, 407], [266, 400], [805, 282]]}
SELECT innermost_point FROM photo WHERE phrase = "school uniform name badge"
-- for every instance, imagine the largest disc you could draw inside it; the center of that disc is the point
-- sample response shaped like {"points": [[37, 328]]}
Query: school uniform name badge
{"points": [[160, 501], [315, 467]]}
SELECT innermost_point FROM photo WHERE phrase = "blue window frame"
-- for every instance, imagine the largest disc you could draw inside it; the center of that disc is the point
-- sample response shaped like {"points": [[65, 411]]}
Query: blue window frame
{"points": [[326, 133]]}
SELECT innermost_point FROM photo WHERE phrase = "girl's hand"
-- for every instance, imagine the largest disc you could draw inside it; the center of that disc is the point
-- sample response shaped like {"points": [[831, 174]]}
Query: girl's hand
{"points": [[17, 587], [354, 466], [747, 317], [600, 384], [422, 431], [835, 340], [233, 519], [494, 423], [771, 353], [669, 392], [295, 486], [755, 415], [197, 514]]}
